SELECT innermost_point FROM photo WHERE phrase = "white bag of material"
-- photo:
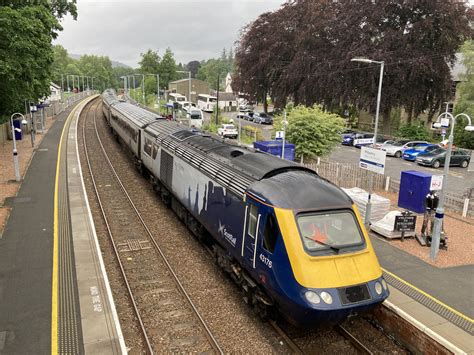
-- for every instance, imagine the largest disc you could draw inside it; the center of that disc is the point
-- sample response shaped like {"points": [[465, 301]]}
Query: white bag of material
{"points": [[380, 205], [386, 224]]}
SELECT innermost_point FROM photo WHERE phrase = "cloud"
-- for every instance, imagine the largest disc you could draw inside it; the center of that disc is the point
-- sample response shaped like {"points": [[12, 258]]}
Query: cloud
{"points": [[193, 29]]}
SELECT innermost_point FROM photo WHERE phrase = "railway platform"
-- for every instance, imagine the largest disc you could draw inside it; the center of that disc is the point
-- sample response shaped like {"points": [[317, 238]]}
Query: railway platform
{"points": [[54, 292], [438, 302]]}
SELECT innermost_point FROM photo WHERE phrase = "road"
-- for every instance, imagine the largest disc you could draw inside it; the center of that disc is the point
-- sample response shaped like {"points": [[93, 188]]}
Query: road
{"points": [[460, 180]]}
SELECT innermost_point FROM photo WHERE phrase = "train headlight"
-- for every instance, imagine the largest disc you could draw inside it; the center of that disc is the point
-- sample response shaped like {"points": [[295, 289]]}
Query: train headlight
{"points": [[326, 297], [378, 288], [312, 297], [384, 284]]}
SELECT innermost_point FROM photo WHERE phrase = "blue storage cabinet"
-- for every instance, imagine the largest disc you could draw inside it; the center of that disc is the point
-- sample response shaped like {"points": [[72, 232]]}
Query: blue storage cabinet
{"points": [[274, 148], [414, 186]]}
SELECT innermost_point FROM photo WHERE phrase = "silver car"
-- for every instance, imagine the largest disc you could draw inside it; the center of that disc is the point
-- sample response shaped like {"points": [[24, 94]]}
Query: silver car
{"points": [[397, 148]]}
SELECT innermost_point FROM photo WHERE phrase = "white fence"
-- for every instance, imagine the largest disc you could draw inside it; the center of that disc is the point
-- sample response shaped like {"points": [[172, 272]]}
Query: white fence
{"points": [[350, 175], [38, 118]]}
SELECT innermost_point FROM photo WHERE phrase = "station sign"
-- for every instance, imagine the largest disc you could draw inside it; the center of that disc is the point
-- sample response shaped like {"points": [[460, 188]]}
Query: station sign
{"points": [[279, 135], [436, 182], [372, 159], [405, 223]]}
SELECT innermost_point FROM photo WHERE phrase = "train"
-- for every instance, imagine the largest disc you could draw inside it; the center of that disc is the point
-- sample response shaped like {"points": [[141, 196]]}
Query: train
{"points": [[292, 241]]}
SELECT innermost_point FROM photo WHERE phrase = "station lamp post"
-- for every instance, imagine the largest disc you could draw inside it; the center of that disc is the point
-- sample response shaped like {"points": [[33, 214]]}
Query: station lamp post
{"points": [[189, 84], [439, 214], [15, 152], [377, 110]]}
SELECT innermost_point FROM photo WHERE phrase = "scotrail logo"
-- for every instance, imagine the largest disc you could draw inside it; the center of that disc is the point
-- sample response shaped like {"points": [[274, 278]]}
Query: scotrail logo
{"points": [[225, 234]]}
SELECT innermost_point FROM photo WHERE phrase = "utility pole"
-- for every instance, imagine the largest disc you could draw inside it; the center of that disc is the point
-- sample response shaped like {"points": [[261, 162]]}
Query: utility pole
{"points": [[217, 106]]}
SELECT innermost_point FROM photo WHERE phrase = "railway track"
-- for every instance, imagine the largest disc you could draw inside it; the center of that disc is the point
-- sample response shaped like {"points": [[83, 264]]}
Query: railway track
{"points": [[167, 317], [298, 343]]}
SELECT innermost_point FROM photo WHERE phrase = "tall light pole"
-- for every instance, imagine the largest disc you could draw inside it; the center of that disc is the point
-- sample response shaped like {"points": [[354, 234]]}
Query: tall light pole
{"points": [[439, 214], [189, 83], [377, 110], [15, 152]]}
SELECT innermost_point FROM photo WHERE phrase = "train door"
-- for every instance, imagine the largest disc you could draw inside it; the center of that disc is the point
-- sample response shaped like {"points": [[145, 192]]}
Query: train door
{"points": [[251, 234]]}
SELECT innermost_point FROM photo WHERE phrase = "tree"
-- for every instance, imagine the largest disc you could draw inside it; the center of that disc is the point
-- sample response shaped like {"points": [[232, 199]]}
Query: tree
{"points": [[303, 51], [193, 66], [312, 131], [167, 69], [465, 102], [26, 52], [150, 62]]}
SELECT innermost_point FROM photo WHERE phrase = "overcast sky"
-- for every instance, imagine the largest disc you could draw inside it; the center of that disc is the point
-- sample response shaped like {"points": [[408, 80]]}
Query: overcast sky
{"points": [[193, 29]]}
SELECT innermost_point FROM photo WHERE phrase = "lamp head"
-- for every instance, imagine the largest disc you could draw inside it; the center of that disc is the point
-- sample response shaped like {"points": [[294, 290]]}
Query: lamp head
{"points": [[437, 125], [469, 128], [23, 122]]}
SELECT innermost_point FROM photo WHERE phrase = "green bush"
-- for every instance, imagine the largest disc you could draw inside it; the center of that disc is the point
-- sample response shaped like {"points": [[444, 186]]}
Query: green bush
{"points": [[415, 131]]}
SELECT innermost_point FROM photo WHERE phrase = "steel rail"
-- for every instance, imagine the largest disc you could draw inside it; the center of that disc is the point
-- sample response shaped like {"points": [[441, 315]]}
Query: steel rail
{"points": [[289, 342], [353, 340], [111, 238], [181, 288]]}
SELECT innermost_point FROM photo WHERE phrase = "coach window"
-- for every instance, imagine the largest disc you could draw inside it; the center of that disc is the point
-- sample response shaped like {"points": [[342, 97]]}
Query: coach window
{"points": [[270, 234], [155, 151], [253, 214], [147, 148]]}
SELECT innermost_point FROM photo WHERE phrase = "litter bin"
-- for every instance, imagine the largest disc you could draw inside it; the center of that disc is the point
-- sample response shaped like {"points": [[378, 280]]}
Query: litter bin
{"points": [[18, 132], [414, 186]]}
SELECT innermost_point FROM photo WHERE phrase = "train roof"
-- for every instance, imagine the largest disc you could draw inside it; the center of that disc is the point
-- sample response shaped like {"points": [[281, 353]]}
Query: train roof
{"points": [[309, 193], [233, 167], [110, 97], [136, 115]]}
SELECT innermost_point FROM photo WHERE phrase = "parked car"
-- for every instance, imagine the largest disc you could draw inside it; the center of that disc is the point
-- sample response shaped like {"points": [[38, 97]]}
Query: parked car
{"points": [[348, 138], [396, 149], [249, 116], [382, 142], [262, 117], [411, 154], [436, 158], [241, 116], [362, 139], [245, 108], [227, 131]]}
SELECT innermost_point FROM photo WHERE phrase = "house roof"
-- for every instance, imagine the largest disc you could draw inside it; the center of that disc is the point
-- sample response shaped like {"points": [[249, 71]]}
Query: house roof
{"points": [[225, 96], [55, 85]]}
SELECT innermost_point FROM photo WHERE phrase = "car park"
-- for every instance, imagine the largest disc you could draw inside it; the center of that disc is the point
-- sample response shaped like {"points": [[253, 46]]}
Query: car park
{"points": [[437, 157], [397, 148], [262, 117], [227, 131], [411, 154]]}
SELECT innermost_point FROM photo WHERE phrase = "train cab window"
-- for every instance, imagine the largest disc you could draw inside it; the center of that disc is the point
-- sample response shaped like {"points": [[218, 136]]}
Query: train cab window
{"points": [[329, 231], [253, 214], [155, 151], [270, 234], [147, 147]]}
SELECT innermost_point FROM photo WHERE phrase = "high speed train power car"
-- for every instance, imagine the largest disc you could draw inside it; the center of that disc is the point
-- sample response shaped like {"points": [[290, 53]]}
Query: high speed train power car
{"points": [[292, 241]]}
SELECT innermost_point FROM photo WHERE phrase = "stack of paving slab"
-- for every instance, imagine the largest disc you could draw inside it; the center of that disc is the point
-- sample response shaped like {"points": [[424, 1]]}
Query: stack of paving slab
{"points": [[380, 205], [386, 225]]}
